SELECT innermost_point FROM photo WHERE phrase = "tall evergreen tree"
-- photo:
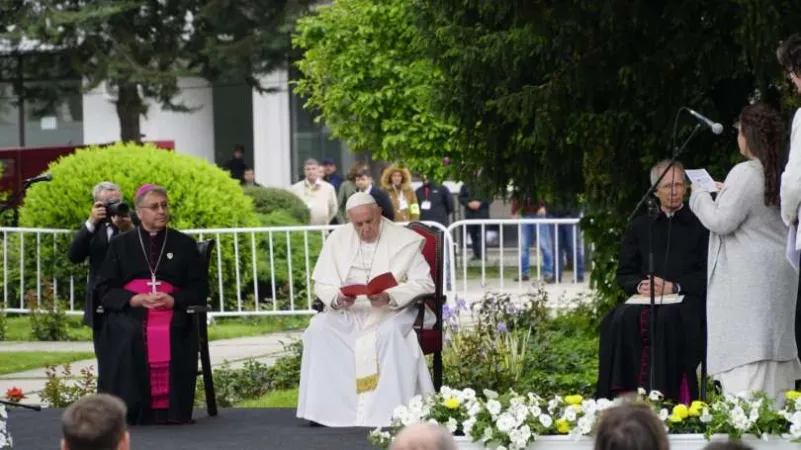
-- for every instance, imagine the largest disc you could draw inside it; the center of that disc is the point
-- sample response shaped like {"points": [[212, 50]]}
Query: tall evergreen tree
{"points": [[140, 48]]}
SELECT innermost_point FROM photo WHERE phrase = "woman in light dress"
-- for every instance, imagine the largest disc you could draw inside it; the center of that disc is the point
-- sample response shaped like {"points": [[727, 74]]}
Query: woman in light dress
{"points": [[752, 287]]}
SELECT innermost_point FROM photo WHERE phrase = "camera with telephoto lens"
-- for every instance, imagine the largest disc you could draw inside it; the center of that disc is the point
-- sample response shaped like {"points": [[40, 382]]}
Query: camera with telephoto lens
{"points": [[116, 208]]}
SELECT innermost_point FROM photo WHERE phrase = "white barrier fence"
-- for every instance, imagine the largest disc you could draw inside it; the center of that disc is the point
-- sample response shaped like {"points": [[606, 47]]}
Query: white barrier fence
{"points": [[267, 271]]}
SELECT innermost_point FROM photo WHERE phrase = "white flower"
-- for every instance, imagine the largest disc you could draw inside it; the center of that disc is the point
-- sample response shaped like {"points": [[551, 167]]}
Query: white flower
{"points": [[655, 396], [705, 416], [604, 403], [546, 420], [500, 447], [400, 411], [535, 410], [468, 395], [589, 407], [467, 425], [474, 409], [641, 392], [452, 425], [446, 392], [416, 403], [570, 414], [490, 395], [494, 407], [585, 424], [3, 414], [487, 434], [505, 423], [3, 441], [663, 414]]}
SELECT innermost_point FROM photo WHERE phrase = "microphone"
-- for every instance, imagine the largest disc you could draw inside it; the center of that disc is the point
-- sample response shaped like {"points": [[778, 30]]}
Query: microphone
{"points": [[714, 126], [42, 177]]}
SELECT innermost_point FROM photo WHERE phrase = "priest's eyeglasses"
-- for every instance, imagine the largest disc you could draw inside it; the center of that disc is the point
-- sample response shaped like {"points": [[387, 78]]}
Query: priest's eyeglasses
{"points": [[155, 206]]}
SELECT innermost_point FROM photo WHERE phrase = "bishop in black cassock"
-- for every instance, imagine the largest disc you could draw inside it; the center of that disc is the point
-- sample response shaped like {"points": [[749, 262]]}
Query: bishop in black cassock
{"points": [[148, 350], [680, 252]]}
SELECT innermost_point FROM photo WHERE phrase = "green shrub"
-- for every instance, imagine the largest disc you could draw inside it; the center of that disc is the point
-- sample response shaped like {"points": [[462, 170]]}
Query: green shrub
{"points": [[300, 258], [3, 324], [48, 316], [201, 196], [63, 390], [285, 372], [267, 200]]}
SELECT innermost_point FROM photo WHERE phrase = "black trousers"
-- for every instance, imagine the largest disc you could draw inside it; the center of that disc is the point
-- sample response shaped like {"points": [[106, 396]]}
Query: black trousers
{"points": [[476, 238]]}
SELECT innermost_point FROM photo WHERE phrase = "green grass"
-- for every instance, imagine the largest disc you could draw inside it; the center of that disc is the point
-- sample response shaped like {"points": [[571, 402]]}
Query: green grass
{"points": [[19, 327], [275, 399], [12, 362]]}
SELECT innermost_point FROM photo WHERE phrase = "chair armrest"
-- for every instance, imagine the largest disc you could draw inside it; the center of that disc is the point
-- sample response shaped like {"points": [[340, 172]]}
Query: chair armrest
{"points": [[420, 303], [193, 309]]}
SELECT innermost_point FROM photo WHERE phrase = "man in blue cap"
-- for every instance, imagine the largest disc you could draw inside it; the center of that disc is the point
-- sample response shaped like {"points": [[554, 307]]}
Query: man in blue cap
{"points": [[330, 173]]}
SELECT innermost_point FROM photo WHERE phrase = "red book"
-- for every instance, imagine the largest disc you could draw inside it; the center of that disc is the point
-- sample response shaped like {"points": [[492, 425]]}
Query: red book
{"points": [[376, 286]]}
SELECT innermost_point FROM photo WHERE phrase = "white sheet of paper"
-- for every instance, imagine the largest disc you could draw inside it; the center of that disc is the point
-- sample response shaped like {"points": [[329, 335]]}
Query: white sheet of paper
{"points": [[701, 177], [638, 299]]}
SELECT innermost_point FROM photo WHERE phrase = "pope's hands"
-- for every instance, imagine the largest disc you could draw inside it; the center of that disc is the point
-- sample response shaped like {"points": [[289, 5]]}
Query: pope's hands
{"points": [[379, 300], [343, 301]]}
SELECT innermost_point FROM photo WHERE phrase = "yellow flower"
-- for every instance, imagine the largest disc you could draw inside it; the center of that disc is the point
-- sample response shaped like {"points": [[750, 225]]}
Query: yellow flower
{"points": [[574, 399], [562, 425], [696, 408], [681, 411], [675, 418], [451, 403], [792, 395]]}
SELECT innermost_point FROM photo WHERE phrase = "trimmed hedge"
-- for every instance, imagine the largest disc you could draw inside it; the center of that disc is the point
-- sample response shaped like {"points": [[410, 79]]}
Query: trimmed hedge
{"points": [[267, 200], [201, 196]]}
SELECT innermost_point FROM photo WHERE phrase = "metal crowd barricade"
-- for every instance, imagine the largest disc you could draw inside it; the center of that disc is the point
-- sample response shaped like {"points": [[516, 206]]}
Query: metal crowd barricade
{"points": [[267, 270]]}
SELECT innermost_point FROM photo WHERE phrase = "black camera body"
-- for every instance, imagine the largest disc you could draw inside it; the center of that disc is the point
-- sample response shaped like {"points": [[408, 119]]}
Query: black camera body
{"points": [[116, 208]]}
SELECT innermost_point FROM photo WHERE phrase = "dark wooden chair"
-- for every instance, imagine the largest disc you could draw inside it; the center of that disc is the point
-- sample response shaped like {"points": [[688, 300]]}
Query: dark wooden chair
{"points": [[430, 340], [200, 313]]}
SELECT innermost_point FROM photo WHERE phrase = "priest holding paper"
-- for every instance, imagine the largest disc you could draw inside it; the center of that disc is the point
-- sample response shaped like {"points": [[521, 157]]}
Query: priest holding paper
{"points": [[361, 358], [680, 250]]}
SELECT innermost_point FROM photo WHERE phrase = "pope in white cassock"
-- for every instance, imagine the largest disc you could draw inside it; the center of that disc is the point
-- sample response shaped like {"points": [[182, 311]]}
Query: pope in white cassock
{"points": [[361, 358]]}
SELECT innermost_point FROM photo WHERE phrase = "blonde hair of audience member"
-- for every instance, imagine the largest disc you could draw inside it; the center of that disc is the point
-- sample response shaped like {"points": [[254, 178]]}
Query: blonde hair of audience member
{"points": [[96, 422], [424, 436], [630, 427]]}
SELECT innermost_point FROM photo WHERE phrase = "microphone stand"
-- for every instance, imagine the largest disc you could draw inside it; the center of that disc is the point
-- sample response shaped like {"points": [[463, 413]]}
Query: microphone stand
{"points": [[5, 206], [20, 405], [653, 211]]}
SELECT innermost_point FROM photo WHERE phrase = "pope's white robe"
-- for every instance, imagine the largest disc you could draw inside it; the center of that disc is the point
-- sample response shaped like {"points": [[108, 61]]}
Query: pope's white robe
{"points": [[339, 344]]}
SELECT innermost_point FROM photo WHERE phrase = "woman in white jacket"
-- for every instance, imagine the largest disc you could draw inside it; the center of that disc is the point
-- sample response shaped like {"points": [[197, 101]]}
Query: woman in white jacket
{"points": [[752, 288]]}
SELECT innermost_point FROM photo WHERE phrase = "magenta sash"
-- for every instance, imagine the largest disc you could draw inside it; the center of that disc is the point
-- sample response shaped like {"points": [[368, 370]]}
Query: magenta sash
{"points": [[157, 342]]}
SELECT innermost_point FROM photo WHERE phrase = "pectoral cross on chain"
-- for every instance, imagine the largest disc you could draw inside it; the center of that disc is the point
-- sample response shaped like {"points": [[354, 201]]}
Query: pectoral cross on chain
{"points": [[154, 284]]}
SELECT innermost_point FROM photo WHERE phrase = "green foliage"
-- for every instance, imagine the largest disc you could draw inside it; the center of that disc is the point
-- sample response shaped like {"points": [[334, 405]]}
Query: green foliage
{"points": [[364, 70], [201, 196], [267, 200], [3, 324], [62, 390], [48, 316], [274, 274], [254, 378], [112, 42]]}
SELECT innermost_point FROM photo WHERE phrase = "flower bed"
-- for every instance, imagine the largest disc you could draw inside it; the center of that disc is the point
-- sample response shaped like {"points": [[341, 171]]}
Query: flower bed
{"points": [[515, 421], [5, 436]]}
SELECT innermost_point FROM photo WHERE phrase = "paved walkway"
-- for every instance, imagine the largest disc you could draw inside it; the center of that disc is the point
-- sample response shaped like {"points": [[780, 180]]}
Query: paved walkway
{"points": [[264, 348]]}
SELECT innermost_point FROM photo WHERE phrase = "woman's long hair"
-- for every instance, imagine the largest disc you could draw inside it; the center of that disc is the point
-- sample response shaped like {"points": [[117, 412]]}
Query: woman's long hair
{"points": [[763, 129]]}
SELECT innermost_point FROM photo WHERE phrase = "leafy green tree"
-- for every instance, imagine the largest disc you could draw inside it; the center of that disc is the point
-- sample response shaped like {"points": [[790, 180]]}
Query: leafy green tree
{"points": [[577, 99], [141, 48], [364, 70]]}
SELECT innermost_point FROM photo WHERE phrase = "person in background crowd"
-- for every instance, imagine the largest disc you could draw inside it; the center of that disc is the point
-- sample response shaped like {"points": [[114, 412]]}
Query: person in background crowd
{"points": [[571, 248], [318, 195], [364, 182], [530, 210], [95, 422], [348, 188], [331, 175], [236, 166], [436, 202], [476, 206], [397, 181], [249, 178], [630, 427], [752, 286], [92, 241], [789, 56]]}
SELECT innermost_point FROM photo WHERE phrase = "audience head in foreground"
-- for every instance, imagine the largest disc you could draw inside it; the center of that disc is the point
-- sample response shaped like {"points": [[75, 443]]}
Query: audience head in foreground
{"points": [[96, 422], [424, 436], [630, 427]]}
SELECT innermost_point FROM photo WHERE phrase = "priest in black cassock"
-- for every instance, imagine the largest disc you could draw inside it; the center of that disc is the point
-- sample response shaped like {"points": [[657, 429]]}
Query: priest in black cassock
{"points": [[680, 253], [148, 350]]}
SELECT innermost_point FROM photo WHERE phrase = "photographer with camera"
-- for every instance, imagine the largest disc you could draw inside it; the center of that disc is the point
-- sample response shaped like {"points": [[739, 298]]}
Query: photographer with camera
{"points": [[109, 217]]}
